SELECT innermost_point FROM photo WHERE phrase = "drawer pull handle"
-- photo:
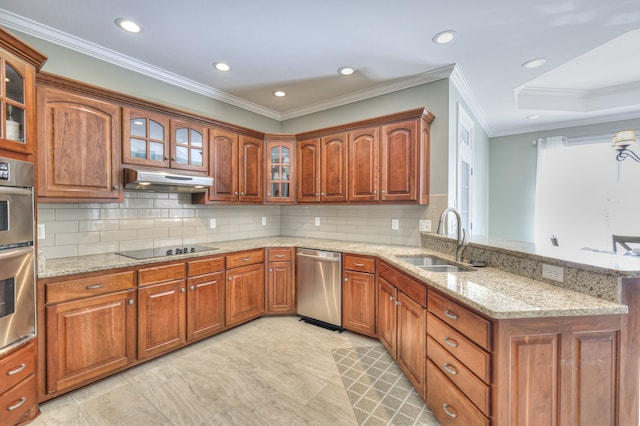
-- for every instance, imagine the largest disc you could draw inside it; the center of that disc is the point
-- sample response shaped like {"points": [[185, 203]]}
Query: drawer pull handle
{"points": [[451, 315], [359, 264], [246, 259], [17, 404], [390, 297], [449, 413], [279, 256], [95, 286], [450, 369], [451, 342], [17, 370]]}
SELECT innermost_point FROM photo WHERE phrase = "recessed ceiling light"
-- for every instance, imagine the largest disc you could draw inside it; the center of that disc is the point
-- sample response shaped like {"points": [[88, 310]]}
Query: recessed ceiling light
{"points": [[444, 37], [534, 116], [221, 66], [279, 93], [128, 25], [346, 71], [534, 63]]}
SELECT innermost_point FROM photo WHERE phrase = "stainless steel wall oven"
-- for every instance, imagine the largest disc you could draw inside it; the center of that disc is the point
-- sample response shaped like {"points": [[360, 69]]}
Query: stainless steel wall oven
{"points": [[17, 257]]}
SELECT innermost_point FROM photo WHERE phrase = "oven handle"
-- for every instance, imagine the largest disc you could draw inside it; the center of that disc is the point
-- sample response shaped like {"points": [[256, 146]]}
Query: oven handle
{"points": [[15, 252], [14, 191]]}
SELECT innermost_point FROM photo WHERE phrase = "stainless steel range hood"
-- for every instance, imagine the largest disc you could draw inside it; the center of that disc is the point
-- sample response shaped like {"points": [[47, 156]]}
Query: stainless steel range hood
{"points": [[144, 179]]}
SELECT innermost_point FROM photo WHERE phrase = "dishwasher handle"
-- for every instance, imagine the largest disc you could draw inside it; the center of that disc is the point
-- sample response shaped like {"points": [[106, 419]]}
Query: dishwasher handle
{"points": [[326, 259]]}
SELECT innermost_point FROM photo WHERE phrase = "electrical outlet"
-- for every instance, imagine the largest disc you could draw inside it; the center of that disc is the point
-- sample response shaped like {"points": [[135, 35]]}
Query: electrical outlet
{"points": [[554, 273], [425, 226], [41, 235], [317, 221], [212, 223], [264, 220], [394, 224]]}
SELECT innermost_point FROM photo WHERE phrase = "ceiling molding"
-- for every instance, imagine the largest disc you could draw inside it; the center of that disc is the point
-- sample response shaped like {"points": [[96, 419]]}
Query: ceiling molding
{"points": [[613, 117], [381, 89], [467, 96]]}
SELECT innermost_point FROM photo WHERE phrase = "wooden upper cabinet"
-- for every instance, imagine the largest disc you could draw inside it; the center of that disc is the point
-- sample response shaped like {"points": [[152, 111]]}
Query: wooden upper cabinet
{"points": [[250, 169], [146, 138], [308, 171], [78, 146], [188, 146], [280, 171], [364, 164], [333, 162], [399, 161], [18, 65], [236, 165]]}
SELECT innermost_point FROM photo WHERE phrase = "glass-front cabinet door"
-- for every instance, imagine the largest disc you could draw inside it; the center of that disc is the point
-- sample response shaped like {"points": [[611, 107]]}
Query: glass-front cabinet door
{"points": [[188, 148], [280, 171], [145, 138]]}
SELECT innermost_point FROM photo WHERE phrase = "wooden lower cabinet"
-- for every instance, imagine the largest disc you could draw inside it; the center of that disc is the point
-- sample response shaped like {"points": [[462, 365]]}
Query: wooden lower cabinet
{"points": [[280, 294], [402, 323], [18, 387], [244, 293], [89, 338], [359, 294], [161, 318], [205, 305]]}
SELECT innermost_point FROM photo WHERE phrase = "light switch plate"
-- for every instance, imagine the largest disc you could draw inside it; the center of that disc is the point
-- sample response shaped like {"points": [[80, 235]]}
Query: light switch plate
{"points": [[41, 234], [264, 220], [212, 223], [395, 224], [317, 221]]}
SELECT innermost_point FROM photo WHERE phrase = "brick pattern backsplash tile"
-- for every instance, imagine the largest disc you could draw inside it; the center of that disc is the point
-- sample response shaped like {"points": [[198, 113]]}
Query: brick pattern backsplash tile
{"points": [[146, 220]]}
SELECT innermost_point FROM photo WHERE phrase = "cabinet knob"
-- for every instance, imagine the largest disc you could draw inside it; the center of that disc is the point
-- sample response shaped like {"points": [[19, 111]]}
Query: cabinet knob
{"points": [[397, 303], [166, 158], [346, 280], [173, 159], [193, 287], [270, 269], [182, 290], [115, 187], [390, 297], [131, 301], [235, 193], [322, 193], [317, 194], [242, 193], [230, 278], [268, 194], [382, 192]]}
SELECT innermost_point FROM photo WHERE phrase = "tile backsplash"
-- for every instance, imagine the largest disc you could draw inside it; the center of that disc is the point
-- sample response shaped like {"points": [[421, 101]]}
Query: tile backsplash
{"points": [[146, 220]]}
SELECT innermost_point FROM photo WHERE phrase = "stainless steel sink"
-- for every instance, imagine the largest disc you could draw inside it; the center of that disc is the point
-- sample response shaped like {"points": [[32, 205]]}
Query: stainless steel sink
{"points": [[435, 264]]}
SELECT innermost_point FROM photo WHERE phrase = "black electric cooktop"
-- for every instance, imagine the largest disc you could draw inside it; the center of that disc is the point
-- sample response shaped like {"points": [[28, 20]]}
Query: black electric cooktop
{"points": [[164, 251]]}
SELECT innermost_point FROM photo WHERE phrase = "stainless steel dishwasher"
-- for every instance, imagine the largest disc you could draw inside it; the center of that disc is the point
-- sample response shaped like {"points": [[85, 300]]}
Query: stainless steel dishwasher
{"points": [[319, 278]]}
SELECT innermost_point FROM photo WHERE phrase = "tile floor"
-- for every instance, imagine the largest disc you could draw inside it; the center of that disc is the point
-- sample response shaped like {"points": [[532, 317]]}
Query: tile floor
{"points": [[271, 371]]}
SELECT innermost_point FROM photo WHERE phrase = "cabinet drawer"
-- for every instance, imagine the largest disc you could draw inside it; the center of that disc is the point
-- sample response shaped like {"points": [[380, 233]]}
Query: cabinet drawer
{"points": [[160, 274], [280, 255], [245, 258], [447, 403], [472, 356], [88, 287], [17, 402], [359, 263], [408, 286], [473, 388], [205, 266], [468, 323], [16, 366]]}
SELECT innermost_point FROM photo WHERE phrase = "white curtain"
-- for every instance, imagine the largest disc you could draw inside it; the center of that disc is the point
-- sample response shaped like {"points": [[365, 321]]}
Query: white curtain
{"points": [[583, 195]]}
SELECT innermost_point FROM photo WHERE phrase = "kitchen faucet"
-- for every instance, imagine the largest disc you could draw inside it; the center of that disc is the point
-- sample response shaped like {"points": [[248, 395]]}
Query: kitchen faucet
{"points": [[462, 236]]}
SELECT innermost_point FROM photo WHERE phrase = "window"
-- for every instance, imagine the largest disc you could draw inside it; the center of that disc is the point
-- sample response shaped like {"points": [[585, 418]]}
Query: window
{"points": [[583, 195]]}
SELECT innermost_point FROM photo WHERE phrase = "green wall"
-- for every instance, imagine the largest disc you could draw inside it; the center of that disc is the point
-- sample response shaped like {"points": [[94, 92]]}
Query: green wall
{"points": [[512, 176]]}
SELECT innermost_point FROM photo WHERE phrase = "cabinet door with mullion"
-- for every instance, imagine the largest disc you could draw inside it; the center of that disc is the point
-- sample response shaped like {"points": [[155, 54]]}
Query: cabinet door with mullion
{"points": [[280, 172], [146, 138], [189, 150]]}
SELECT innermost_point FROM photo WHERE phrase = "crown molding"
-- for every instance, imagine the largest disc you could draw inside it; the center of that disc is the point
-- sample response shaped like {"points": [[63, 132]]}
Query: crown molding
{"points": [[381, 89], [461, 85]]}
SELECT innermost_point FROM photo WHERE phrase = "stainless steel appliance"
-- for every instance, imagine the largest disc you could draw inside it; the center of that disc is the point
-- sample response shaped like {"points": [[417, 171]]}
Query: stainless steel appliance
{"points": [[319, 278], [147, 179], [164, 251], [17, 260]]}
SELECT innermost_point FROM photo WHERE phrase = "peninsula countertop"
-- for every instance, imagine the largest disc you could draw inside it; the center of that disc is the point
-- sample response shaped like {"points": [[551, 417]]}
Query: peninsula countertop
{"points": [[494, 292]]}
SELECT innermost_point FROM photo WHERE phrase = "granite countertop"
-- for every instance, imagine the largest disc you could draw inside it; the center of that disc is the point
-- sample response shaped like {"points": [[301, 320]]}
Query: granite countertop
{"points": [[496, 293]]}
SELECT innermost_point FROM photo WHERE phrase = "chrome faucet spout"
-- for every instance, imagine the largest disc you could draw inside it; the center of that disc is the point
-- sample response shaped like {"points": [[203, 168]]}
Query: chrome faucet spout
{"points": [[461, 234]]}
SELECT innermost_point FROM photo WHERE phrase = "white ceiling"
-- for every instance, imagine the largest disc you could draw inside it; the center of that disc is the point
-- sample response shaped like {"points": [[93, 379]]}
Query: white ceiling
{"points": [[592, 73]]}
